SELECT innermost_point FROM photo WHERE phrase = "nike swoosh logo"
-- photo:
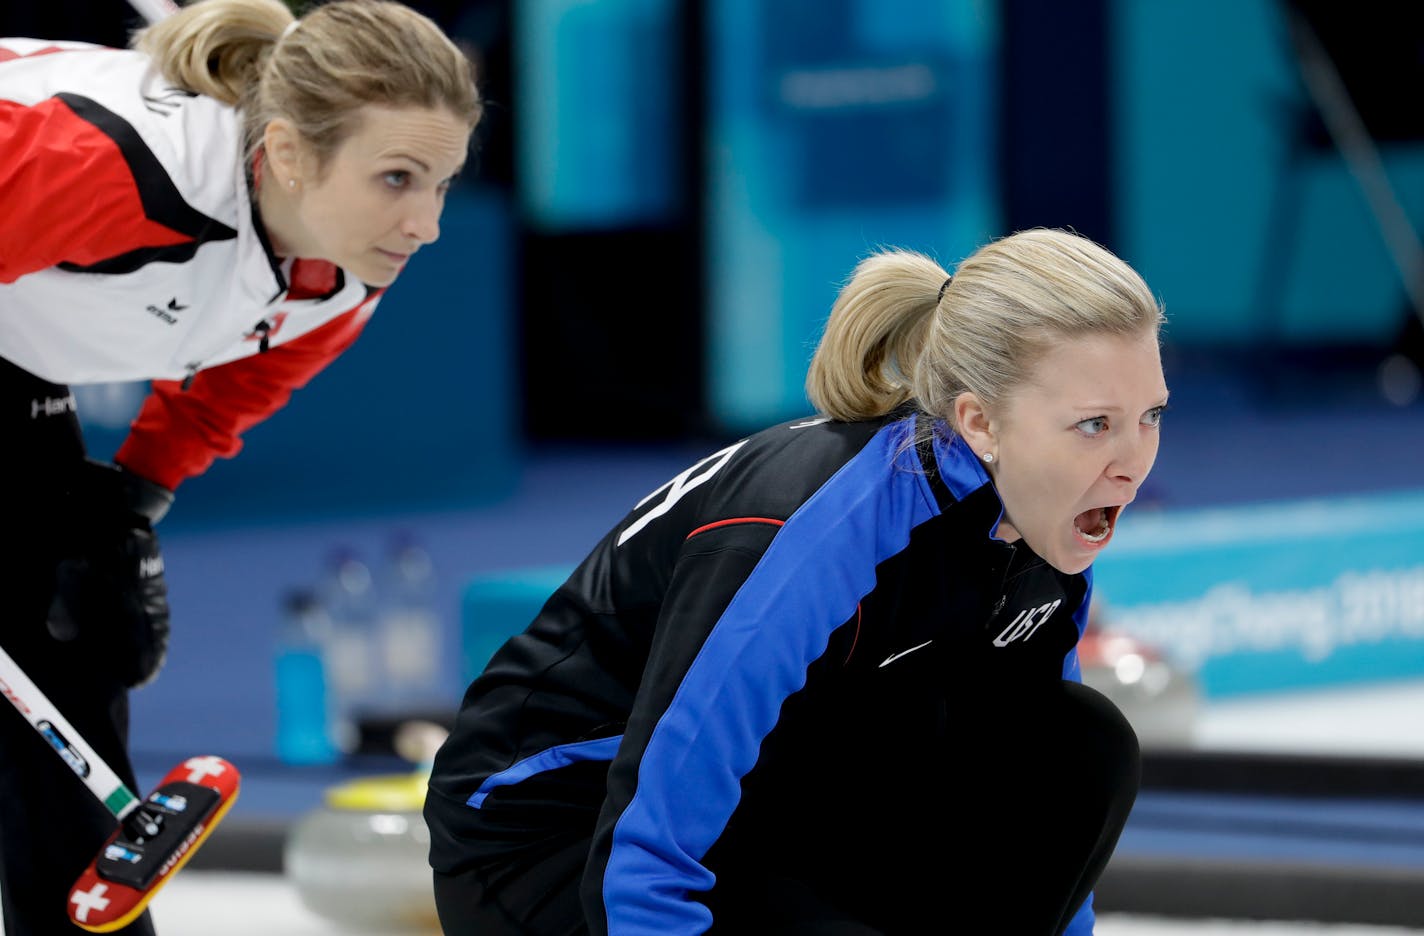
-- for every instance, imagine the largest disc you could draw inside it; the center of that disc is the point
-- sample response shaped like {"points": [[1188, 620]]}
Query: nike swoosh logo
{"points": [[895, 656]]}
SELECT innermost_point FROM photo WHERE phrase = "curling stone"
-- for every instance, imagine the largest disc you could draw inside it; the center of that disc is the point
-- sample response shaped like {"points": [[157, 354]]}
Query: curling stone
{"points": [[362, 859]]}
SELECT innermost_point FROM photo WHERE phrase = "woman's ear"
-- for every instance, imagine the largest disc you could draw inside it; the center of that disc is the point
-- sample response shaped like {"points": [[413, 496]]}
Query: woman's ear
{"points": [[282, 145], [972, 422]]}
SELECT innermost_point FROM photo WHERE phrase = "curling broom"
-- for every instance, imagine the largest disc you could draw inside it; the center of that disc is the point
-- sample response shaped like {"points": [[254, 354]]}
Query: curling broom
{"points": [[155, 837]]}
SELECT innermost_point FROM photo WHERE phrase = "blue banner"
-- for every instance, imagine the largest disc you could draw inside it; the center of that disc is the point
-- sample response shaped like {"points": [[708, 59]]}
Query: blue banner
{"points": [[1275, 596]]}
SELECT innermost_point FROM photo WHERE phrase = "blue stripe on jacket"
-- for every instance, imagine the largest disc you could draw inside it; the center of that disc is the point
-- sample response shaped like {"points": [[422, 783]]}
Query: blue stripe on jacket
{"points": [[555, 757], [808, 583]]}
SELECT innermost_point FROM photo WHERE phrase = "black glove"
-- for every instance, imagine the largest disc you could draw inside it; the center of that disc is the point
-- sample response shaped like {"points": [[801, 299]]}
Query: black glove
{"points": [[109, 589]]}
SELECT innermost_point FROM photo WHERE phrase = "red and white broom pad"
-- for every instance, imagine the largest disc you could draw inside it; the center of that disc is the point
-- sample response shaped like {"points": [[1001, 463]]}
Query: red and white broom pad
{"points": [[131, 867]]}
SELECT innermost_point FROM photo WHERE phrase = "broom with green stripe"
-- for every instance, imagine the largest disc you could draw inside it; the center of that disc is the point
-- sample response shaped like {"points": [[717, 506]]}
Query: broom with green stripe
{"points": [[41, 713], [155, 837]]}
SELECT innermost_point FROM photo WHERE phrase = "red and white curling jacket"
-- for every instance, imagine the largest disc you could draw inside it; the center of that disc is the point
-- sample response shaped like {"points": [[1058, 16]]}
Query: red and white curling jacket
{"points": [[130, 249]]}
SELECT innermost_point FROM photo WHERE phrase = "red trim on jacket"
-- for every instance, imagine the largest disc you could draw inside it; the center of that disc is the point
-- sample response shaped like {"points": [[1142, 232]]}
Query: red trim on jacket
{"points": [[9, 54], [179, 433], [734, 520], [854, 641], [311, 279], [68, 193]]}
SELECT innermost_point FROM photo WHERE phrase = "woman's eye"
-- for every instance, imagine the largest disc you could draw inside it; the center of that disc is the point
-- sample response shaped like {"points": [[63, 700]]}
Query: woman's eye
{"points": [[1153, 417], [397, 179], [1095, 426]]}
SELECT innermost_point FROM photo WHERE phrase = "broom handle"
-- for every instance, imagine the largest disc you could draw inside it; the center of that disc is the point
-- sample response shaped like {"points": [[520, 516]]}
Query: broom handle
{"points": [[60, 735]]}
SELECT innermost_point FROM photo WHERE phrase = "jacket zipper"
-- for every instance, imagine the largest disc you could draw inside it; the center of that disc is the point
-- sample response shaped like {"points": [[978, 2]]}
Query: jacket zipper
{"points": [[262, 329]]}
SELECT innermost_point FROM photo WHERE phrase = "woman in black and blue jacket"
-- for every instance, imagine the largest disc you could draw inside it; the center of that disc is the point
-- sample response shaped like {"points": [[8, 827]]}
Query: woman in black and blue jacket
{"points": [[824, 680]]}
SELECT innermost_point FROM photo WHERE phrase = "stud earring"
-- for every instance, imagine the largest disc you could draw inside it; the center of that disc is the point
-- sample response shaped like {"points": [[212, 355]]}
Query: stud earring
{"points": [[988, 458], [292, 184]]}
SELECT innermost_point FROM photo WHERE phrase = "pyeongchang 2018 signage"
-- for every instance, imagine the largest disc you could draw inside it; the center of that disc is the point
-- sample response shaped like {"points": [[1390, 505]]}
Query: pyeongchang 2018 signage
{"points": [[1274, 596]]}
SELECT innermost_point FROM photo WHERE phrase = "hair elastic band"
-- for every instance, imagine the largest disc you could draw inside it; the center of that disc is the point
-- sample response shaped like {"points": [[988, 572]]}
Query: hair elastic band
{"points": [[940, 297], [288, 31]]}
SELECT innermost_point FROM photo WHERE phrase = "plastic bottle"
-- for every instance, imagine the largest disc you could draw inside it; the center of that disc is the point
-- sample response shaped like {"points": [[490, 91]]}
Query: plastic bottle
{"points": [[349, 597], [410, 628], [304, 722]]}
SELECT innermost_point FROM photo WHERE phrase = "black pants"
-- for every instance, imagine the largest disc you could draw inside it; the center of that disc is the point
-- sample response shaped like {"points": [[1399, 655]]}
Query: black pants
{"points": [[51, 825], [1044, 806]]}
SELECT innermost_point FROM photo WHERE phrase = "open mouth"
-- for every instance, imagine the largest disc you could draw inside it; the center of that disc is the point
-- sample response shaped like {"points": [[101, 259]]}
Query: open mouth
{"points": [[1095, 525]]}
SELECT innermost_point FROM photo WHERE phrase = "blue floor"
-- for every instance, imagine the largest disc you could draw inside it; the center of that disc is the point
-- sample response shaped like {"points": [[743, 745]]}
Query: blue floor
{"points": [[1322, 830]]}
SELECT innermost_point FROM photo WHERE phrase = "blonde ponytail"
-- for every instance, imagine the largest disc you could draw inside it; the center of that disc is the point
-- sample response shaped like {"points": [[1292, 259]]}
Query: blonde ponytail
{"points": [[215, 47], [865, 363]]}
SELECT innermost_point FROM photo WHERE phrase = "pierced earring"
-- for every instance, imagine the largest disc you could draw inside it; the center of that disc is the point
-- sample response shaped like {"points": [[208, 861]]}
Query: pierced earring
{"points": [[988, 458], [292, 184]]}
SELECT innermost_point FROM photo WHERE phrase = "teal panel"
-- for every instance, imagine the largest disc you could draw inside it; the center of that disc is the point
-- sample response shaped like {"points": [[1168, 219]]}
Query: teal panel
{"points": [[1203, 102], [498, 605], [834, 128], [597, 137]]}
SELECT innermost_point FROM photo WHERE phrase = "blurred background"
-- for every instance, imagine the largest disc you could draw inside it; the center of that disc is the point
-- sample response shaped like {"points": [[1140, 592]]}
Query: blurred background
{"points": [[633, 271]]}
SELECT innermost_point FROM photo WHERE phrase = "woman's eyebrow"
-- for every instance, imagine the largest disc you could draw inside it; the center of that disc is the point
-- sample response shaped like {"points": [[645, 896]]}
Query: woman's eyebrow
{"points": [[401, 154]]}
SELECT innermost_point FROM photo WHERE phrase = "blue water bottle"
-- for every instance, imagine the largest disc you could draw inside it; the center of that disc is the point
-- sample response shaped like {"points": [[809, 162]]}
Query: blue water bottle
{"points": [[304, 717]]}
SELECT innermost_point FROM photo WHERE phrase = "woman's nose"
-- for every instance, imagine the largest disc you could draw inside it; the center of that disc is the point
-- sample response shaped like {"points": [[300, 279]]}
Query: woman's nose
{"points": [[1134, 459], [423, 223]]}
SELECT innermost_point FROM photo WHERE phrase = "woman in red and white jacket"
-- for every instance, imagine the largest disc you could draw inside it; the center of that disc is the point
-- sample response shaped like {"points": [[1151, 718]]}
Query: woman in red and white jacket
{"points": [[217, 210]]}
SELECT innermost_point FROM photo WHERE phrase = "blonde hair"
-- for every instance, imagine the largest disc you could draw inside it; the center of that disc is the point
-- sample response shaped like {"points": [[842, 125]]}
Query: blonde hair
{"points": [[898, 333], [317, 71]]}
